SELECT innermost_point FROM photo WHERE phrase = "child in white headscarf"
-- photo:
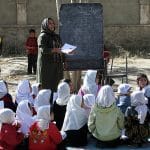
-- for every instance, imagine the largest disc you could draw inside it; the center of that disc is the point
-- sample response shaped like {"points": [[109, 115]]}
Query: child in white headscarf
{"points": [[24, 114], [23, 92], [137, 119], [44, 134], [60, 104], [43, 98], [5, 98], [75, 122], [89, 84], [35, 89], [106, 120], [10, 137], [124, 100], [88, 102]]}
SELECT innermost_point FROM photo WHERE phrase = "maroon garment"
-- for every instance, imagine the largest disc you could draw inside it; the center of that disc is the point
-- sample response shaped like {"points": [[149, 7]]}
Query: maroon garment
{"points": [[31, 45], [8, 102], [44, 140], [9, 137]]}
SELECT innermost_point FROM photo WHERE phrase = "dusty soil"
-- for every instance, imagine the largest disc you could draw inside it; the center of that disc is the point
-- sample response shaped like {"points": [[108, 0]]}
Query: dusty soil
{"points": [[14, 69]]}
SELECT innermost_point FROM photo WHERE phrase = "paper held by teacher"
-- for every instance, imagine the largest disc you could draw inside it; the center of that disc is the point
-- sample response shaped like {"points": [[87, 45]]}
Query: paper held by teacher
{"points": [[68, 48]]}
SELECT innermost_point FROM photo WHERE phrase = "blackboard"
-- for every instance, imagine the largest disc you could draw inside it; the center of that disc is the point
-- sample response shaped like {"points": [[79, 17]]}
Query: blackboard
{"points": [[81, 24]]}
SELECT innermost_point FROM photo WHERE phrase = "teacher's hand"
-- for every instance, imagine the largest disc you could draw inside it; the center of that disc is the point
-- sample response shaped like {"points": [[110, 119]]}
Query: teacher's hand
{"points": [[56, 50]]}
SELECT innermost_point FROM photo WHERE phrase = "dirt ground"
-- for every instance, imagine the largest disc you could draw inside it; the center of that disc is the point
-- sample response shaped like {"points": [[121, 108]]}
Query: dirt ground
{"points": [[14, 69]]}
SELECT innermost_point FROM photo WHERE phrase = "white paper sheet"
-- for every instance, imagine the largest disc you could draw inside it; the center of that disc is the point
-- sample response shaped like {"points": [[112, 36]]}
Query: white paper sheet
{"points": [[67, 48]]}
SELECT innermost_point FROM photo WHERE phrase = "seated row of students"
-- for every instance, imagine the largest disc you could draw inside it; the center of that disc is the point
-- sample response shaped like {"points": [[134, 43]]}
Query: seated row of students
{"points": [[105, 121]]}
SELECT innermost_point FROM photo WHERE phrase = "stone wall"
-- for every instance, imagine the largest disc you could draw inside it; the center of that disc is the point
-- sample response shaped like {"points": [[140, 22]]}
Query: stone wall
{"points": [[126, 23], [130, 38]]}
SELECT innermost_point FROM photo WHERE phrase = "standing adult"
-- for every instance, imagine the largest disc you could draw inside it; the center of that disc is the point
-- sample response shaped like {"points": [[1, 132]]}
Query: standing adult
{"points": [[50, 58]]}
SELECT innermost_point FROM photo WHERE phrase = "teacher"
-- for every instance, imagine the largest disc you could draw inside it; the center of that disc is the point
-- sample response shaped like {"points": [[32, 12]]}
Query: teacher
{"points": [[50, 59]]}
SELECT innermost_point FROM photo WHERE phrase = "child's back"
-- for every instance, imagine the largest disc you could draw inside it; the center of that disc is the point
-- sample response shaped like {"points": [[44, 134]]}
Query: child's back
{"points": [[47, 139], [44, 135], [137, 119], [9, 136], [106, 120]]}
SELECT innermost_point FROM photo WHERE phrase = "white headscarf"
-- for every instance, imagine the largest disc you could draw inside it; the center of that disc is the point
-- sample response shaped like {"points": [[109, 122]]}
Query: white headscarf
{"points": [[89, 85], [89, 101], [23, 92], [43, 117], [75, 116], [6, 116], [63, 93], [24, 116], [3, 89], [43, 98], [35, 89], [105, 96], [124, 88], [138, 100]]}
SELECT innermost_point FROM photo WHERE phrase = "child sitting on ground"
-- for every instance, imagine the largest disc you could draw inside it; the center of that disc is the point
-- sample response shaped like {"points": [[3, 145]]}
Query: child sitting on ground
{"points": [[75, 123], [44, 134], [137, 119], [10, 137], [144, 86], [124, 100], [106, 120], [5, 97], [88, 102], [61, 103]]}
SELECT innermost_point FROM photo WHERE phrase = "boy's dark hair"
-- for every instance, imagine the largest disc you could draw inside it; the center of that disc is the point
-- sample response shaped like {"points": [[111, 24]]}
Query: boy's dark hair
{"points": [[32, 30]]}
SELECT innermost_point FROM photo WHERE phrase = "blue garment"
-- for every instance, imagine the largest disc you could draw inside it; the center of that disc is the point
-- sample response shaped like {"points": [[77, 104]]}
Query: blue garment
{"points": [[124, 102]]}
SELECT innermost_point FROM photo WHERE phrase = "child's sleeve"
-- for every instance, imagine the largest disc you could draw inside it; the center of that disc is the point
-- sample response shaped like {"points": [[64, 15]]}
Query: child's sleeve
{"points": [[91, 121], [54, 134]]}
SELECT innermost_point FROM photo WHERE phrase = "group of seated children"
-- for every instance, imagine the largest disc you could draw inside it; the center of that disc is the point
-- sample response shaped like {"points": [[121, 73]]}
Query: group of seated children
{"points": [[96, 112]]}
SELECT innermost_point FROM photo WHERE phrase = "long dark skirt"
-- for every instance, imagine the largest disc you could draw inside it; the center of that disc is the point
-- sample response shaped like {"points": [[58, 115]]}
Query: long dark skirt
{"points": [[77, 138], [59, 114]]}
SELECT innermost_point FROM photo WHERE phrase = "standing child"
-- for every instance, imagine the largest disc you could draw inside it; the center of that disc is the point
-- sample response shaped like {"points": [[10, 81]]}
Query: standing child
{"points": [[136, 119], [44, 134], [106, 120], [10, 137], [32, 50]]}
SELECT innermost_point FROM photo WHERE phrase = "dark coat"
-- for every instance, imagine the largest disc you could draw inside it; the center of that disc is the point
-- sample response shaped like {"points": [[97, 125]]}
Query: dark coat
{"points": [[49, 65]]}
